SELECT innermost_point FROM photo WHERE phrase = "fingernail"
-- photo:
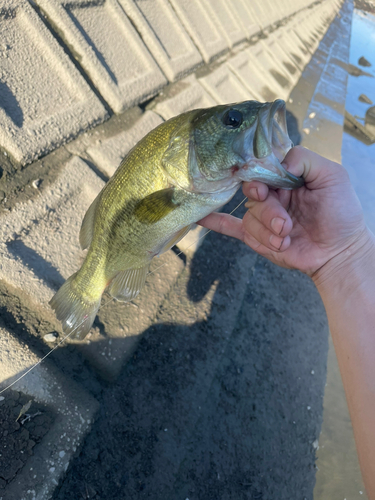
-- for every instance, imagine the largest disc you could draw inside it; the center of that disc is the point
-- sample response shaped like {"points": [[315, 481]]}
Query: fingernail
{"points": [[276, 241], [253, 192], [277, 224]]}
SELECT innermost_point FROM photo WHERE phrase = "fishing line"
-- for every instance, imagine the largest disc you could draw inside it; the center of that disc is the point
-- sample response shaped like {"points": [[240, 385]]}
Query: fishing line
{"points": [[51, 351], [101, 307]]}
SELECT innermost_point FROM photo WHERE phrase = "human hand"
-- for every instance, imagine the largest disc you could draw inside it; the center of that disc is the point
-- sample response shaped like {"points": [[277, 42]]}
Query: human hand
{"points": [[304, 228]]}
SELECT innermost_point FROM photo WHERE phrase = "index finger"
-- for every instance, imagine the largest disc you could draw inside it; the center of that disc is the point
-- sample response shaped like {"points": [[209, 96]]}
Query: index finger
{"points": [[225, 224]]}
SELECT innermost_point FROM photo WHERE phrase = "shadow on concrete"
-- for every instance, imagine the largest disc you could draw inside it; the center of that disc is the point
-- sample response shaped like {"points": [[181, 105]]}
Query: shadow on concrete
{"points": [[10, 105], [93, 46], [203, 412], [200, 412], [36, 263]]}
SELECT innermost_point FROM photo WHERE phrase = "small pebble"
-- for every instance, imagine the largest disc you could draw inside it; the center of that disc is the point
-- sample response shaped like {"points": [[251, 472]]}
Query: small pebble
{"points": [[50, 337], [364, 62], [309, 407], [2, 398], [35, 184], [312, 372], [365, 99], [306, 130], [312, 115]]}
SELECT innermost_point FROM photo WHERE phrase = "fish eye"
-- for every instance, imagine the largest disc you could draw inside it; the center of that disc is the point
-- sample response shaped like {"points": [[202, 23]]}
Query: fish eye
{"points": [[233, 118]]}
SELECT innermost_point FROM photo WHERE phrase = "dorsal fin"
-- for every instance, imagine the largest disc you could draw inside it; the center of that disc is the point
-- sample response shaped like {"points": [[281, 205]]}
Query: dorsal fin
{"points": [[126, 285], [87, 229]]}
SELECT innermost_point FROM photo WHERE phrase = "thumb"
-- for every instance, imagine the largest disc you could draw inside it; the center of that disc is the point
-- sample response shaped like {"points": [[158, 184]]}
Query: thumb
{"points": [[315, 169]]}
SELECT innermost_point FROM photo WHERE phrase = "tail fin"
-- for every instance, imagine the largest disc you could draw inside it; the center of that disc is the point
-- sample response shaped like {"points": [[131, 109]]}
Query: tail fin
{"points": [[75, 314]]}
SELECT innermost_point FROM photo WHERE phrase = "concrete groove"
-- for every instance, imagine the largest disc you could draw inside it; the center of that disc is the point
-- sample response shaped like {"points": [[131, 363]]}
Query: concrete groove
{"points": [[208, 37], [175, 62], [68, 106], [123, 79], [69, 50]]}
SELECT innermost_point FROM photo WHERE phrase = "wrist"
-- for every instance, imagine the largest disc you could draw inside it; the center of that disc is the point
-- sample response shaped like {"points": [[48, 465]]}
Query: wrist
{"points": [[351, 270]]}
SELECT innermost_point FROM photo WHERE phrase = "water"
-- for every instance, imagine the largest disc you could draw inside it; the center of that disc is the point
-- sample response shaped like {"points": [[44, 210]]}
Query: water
{"points": [[357, 157], [339, 475]]}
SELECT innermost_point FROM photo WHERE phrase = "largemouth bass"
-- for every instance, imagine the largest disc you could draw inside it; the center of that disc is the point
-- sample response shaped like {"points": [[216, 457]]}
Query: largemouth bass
{"points": [[180, 172]]}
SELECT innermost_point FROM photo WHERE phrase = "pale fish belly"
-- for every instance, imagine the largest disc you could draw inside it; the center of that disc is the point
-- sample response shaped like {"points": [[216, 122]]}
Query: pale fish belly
{"points": [[172, 228]]}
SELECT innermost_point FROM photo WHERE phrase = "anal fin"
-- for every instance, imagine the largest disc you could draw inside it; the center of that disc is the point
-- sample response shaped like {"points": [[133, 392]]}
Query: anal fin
{"points": [[126, 285]]}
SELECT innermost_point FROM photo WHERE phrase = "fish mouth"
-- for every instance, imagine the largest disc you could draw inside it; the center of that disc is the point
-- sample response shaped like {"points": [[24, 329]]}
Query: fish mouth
{"points": [[263, 147]]}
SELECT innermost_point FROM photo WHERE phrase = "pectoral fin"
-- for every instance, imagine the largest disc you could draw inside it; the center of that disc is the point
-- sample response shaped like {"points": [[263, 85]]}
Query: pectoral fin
{"points": [[87, 229], [175, 239], [126, 285], [156, 206]]}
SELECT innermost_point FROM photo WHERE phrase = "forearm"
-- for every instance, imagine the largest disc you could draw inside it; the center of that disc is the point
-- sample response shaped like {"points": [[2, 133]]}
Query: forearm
{"points": [[347, 287]]}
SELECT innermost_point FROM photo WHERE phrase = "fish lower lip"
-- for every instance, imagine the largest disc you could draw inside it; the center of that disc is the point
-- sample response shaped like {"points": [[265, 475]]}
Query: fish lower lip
{"points": [[271, 172], [297, 181]]}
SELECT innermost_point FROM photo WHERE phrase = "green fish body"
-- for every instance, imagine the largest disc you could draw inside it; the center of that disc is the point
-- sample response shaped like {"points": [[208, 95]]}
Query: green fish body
{"points": [[180, 172]]}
